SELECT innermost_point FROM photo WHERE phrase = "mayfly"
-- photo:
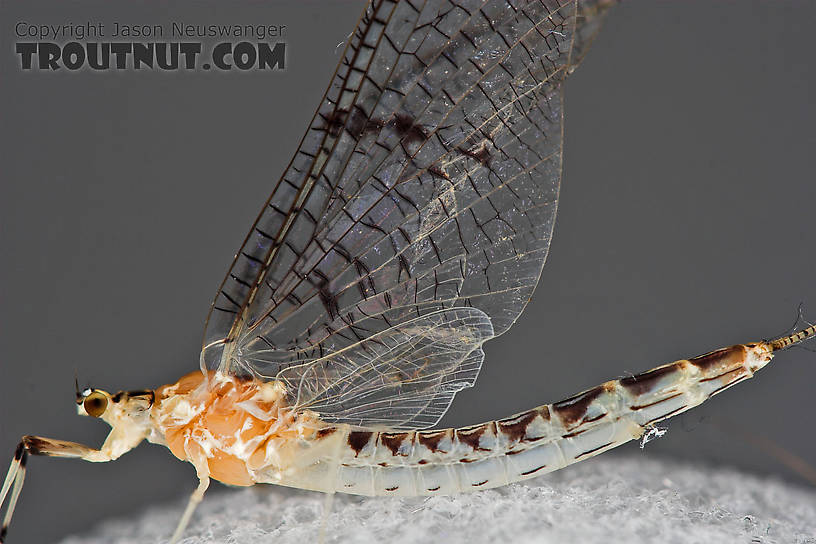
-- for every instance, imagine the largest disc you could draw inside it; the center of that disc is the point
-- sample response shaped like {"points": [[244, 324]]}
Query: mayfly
{"points": [[410, 227]]}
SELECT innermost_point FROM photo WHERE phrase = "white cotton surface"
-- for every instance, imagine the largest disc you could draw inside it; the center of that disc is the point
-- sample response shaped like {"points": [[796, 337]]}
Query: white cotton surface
{"points": [[610, 499]]}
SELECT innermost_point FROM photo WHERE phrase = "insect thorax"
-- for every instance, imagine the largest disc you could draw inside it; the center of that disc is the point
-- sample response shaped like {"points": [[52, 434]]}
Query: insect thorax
{"points": [[242, 431]]}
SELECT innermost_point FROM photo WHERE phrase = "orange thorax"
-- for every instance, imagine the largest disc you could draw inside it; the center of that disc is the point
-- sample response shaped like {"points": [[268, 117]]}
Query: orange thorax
{"points": [[230, 424]]}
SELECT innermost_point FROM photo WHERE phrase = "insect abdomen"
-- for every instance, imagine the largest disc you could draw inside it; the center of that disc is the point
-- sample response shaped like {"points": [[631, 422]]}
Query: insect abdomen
{"points": [[543, 439]]}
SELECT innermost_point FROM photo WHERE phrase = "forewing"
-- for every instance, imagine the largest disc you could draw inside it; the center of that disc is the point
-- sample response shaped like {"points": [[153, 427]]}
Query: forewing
{"points": [[427, 181], [403, 377]]}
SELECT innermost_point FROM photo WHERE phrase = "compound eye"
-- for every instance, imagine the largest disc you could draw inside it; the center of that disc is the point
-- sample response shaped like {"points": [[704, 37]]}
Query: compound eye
{"points": [[95, 404]]}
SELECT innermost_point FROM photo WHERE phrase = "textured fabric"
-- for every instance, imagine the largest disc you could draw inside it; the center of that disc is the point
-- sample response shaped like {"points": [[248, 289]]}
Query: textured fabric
{"points": [[630, 499]]}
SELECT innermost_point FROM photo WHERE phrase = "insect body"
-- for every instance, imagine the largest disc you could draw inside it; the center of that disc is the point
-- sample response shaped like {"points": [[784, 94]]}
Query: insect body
{"points": [[242, 432], [410, 228]]}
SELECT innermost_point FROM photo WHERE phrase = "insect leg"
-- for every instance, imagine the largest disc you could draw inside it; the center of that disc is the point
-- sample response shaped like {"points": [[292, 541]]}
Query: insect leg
{"points": [[16, 475], [324, 521], [37, 445], [334, 471], [195, 499]]}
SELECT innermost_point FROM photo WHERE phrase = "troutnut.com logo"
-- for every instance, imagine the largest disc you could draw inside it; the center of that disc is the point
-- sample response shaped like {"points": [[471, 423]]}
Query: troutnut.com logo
{"points": [[234, 47]]}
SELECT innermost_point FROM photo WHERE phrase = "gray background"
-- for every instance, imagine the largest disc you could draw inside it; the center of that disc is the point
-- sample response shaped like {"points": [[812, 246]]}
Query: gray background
{"points": [[685, 224]]}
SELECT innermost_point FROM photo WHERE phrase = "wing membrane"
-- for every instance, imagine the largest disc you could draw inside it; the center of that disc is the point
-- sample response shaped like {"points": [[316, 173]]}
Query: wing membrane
{"points": [[427, 182], [404, 377]]}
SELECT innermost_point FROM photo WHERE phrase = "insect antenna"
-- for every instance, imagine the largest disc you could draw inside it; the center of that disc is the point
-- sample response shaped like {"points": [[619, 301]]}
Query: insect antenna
{"points": [[76, 387]]}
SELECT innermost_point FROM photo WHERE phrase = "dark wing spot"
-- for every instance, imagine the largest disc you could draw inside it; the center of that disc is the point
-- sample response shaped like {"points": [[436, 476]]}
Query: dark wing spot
{"points": [[405, 127], [329, 301], [357, 123], [480, 154], [334, 121], [437, 171], [360, 124]]}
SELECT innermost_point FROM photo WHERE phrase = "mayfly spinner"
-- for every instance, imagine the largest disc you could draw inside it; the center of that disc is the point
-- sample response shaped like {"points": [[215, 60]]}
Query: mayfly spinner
{"points": [[410, 227]]}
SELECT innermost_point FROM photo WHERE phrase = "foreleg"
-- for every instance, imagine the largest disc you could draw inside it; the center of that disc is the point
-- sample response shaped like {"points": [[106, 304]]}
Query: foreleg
{"points": [[37, 445]]}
